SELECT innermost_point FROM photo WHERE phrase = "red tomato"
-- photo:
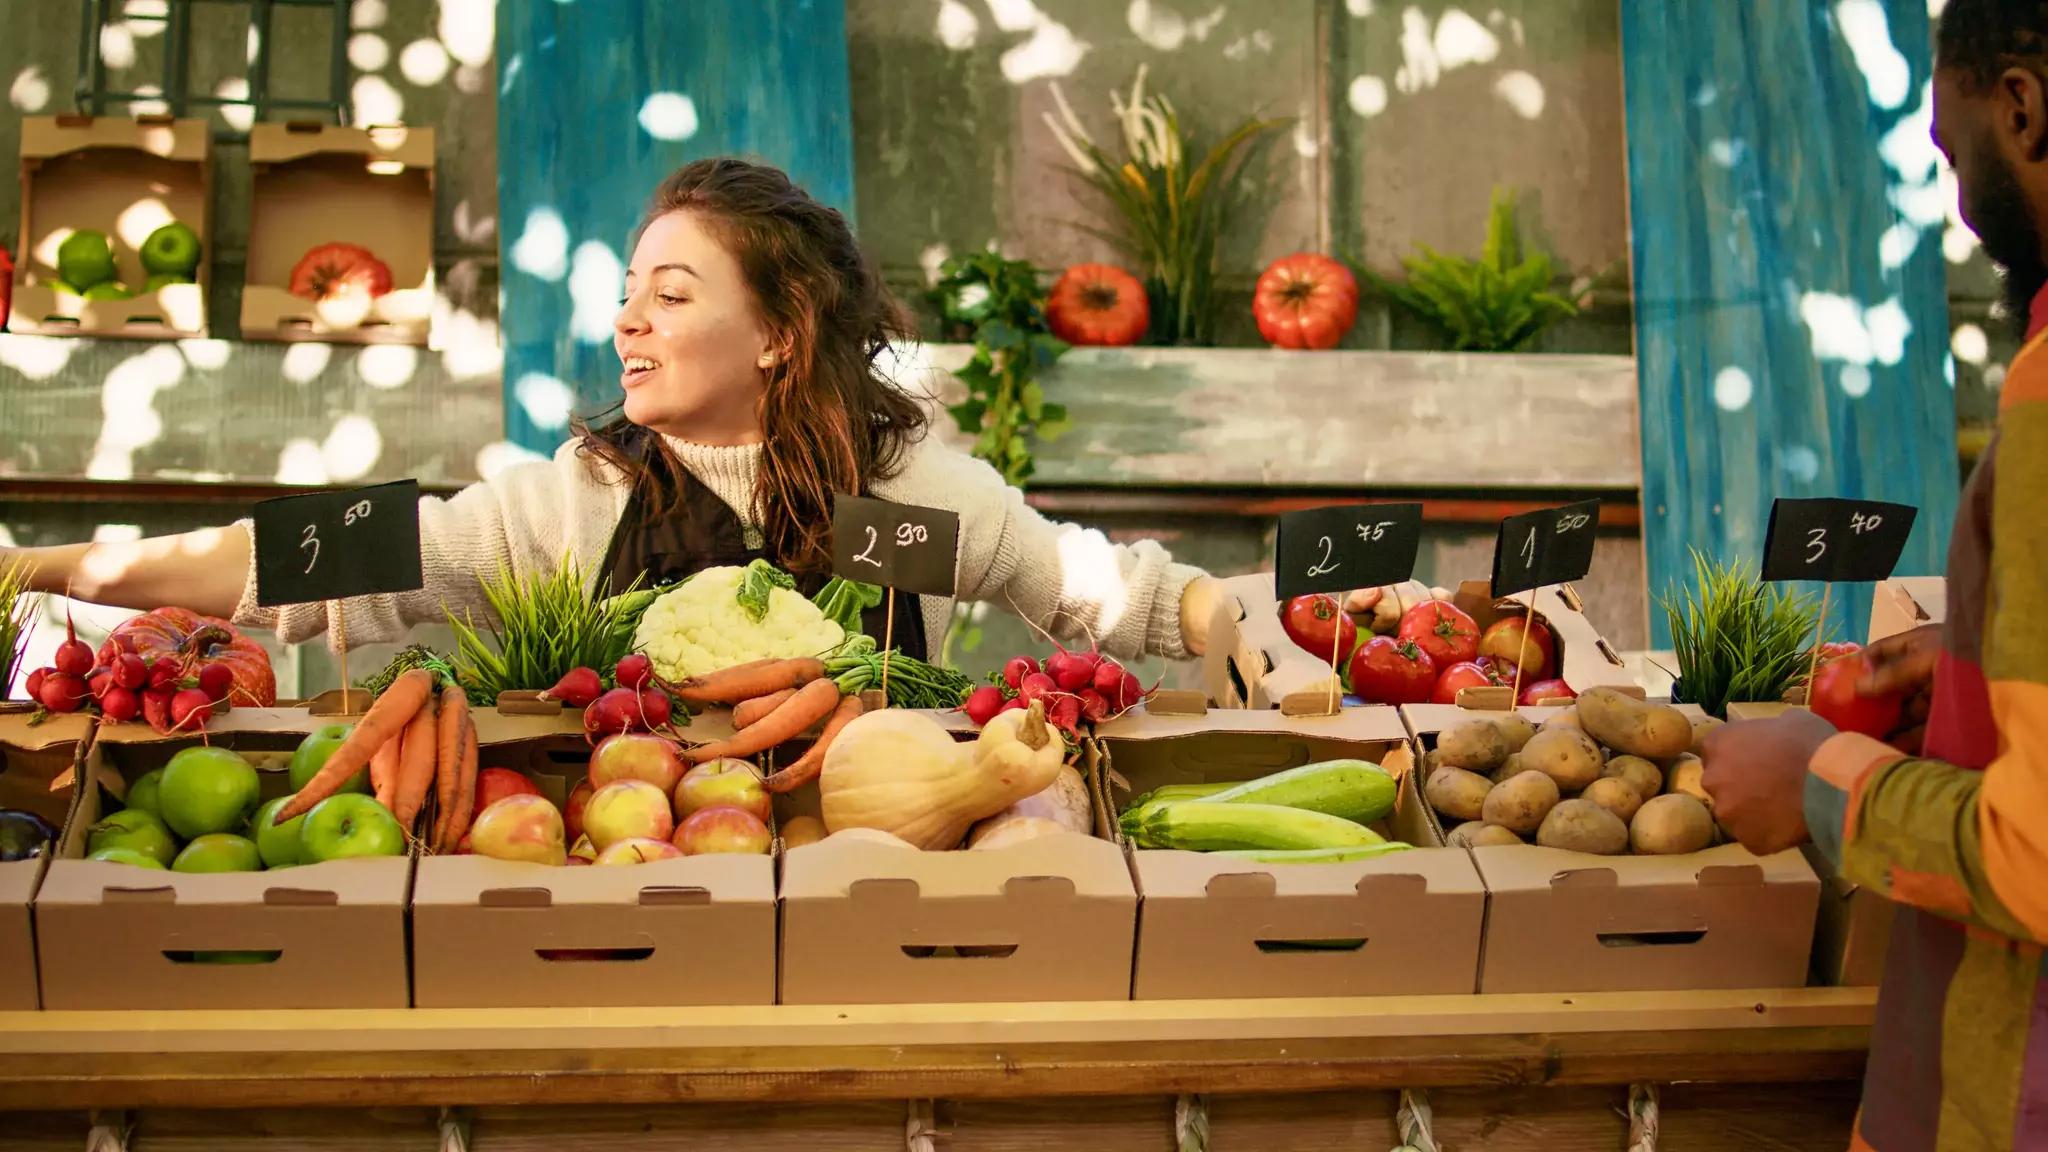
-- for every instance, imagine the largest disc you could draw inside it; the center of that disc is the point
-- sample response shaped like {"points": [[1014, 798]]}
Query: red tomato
{"points": [[1097, 304], [1305, 301], [1319, 626], [1389, 671], [1541, 690], [1443, 630], [1467, 675], [330, 269], [1502, 640], [1834, 699], [1834, 648]]}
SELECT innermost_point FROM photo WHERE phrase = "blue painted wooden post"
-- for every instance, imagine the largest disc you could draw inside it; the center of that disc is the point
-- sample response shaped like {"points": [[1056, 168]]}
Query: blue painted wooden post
{"points": [[1791, 308], [600, 99]]}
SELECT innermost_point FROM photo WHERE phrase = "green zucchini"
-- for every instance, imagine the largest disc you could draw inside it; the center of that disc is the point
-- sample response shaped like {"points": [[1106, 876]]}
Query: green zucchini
{"points": [[1357, 790], [1314, 855], [1200, 826]]}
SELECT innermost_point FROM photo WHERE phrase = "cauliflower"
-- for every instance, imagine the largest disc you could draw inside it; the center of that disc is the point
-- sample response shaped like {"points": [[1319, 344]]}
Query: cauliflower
{"points": [[726, 616]]}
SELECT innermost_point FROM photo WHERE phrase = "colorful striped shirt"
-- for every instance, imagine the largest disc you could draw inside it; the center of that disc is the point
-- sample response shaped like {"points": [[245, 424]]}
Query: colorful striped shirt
{"points": [[1958, 837]]}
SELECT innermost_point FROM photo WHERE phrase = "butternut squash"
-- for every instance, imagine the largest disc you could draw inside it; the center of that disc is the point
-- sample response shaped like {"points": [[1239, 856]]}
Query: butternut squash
{"points": [[901, 772], [1064, 803]]}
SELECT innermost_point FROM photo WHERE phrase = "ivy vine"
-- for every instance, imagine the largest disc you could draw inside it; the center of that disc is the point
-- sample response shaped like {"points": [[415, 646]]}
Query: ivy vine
{"points": [[1000, 306]]}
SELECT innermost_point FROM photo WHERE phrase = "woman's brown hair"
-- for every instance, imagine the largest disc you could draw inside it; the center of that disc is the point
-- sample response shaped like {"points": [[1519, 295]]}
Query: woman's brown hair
{"points": [[831, 421]]}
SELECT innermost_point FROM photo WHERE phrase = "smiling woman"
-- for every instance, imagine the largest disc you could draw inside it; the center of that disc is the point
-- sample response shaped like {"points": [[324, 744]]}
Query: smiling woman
{"points": [[748, 340]]}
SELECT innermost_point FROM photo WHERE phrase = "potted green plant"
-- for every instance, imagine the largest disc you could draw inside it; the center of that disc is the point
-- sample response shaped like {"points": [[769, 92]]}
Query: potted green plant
{"points": [[1500, 302], [1737, 638]]}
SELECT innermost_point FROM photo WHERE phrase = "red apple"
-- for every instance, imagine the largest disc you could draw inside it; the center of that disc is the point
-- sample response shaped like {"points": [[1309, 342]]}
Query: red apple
{"points": [[521, 827], [572, 811], [494, 784], [722, 829], [637, 851], [636, 756], [624, 809], [722, 783], [582, 851]]}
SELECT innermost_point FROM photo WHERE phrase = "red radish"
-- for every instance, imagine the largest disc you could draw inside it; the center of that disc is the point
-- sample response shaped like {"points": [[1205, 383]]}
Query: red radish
{"points": [[1014, 704], [63, 692], [1109, 679], [653, 708], [1129, 693], [983, 703], [98, 683], [120, 704], [1065, 713], [191, 708], [1017, 669], [164, 674], [156, 707], [129, 671], [216, 680], [1036, 685], [74, 656], [1094, 706], [616, 711], [34, 684], [1072, 671], [577, 688], [634, 671]]}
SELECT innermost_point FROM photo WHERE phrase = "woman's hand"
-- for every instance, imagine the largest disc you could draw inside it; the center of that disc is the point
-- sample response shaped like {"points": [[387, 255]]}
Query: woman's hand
{"points": [[1905, 663]]}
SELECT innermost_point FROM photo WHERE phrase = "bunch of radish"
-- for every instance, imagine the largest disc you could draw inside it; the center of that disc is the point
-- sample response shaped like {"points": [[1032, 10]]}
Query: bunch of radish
{"points": [[639, 703], [167, 693], [1075, 687]]}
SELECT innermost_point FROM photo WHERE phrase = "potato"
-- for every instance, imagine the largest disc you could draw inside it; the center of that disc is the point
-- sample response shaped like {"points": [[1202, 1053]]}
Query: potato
{"points": [[1457, 793], [1477, 834], [1515, 727], [1626, 724], [1509, 768], [1477, 745], [1567, 756], [1569, 718], [1520, 804], [1671, 826], [1583, 826], [1647, 777], [1683, 775], [1700, 728], [1615, 794]]}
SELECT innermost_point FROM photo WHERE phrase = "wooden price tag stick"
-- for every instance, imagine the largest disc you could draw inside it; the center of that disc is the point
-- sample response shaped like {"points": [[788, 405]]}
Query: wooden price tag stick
{"points": [[1522, 654], [1336, 653], [1820, 633], [348, 702], [888, 640]]}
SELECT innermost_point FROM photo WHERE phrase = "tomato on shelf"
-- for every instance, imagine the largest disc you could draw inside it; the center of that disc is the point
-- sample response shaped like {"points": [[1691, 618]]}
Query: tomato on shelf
{"points": [[1306, 300], [1098, 304]]}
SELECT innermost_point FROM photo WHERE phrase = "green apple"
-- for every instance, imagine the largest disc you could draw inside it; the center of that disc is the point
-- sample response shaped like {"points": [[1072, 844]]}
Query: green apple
{"points": [[207, 789], [143, 795], [62, 289], [219, 852], [133, 830], [165, 280], [278, 843], [350, 824], [312, 755], [85, 259], [171, 248], [127, 856], [109, 291]]}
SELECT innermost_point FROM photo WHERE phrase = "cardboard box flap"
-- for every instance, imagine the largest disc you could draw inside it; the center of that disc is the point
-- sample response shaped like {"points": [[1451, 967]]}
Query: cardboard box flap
{"points": [[1250, 662], [840, 868], [499, 727], [345, 883], [1349, 725], [286, 721], [46, 136], [1904, 603], [18, 879], [1416, 872], [1525, 868], [275, 143], [465, 881], [20, 729]]}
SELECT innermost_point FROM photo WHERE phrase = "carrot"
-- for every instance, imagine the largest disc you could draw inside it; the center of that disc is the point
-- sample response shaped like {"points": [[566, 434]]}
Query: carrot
{"points": [[447, 758], [812, 703], [746, 681], [384, 771], [805, 768], [464, 808], [415, 768], [387, 717], [748, 711]]}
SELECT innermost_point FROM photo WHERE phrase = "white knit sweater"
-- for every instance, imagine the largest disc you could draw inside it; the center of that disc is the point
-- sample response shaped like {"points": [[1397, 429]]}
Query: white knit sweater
{"points": [[1073, 582]]}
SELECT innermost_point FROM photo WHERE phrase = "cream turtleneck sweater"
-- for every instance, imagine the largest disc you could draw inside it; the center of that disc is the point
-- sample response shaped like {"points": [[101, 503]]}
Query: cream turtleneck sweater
{"points": [[1070, 581]]}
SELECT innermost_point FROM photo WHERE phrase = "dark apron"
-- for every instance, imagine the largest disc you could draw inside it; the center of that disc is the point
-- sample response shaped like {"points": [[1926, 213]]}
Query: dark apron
{"points": [[703, 533]]}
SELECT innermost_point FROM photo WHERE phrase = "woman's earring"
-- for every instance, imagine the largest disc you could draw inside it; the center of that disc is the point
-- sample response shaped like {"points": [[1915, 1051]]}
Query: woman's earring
{"points": [[767, 359]]}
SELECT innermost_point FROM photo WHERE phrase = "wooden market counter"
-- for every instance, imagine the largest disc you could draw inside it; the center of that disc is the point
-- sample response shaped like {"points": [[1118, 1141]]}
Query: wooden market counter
{"points": [[1499, 1064]]}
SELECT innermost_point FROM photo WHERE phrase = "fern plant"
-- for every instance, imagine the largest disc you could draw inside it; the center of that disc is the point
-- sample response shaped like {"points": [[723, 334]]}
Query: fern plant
{"points": [[1736, 637], [1497, 303]]}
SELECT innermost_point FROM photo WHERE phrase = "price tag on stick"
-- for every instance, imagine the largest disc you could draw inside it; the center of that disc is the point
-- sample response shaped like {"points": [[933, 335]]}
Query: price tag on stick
{"points": [[896, 546], [1547, 546], [333, 545], [1835, 541], [1338, 548]]}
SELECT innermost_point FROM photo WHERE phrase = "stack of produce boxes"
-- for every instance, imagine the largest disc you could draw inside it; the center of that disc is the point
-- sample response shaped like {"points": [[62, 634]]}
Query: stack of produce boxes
{"points": [[37, 760]]}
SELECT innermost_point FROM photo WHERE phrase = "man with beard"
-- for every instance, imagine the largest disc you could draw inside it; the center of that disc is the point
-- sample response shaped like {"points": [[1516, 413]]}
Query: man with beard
{"points": [[1955, 833]]}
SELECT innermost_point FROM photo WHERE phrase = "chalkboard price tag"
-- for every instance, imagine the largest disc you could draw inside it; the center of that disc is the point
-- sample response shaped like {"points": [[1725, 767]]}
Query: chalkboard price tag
{"points": [[901, 546], [1346, 546], [1547, 546], [333, 545], [1835, 540]]}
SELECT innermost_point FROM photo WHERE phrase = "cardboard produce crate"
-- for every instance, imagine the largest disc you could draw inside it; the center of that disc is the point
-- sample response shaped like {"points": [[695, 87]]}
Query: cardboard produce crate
{"points": [[33, 759], [1215, 927], [117, 936], [123, 177], [315, 184], [1251, 663], [1560, 921], [509, 934], [862, 923]]}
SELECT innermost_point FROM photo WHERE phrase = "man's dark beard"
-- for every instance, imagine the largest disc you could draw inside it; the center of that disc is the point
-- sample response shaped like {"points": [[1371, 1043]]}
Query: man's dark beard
{"points": [[2006, 226]]}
